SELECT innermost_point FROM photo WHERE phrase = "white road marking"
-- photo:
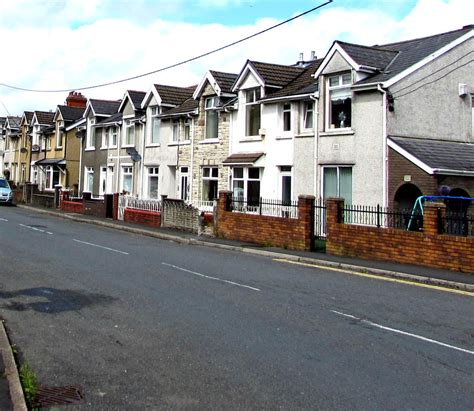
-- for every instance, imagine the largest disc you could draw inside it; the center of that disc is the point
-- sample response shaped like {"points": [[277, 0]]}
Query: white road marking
{"points": [[419, 337], [3, 219], [35, 229], [210, 278], [100, 246]]}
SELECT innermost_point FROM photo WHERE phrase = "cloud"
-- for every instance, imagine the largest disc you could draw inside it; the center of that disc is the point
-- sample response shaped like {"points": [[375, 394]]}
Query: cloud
{"points": [[64, 51]]}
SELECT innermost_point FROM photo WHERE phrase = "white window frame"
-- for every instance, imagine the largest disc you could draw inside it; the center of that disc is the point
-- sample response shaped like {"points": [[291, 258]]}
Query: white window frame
{"points": [[210, 105], [129, 136], [285, 172], [112, 136], [246, 178], [103, 180], [175, 131], [59, 134], [209, 173], [252, 98], [344, 83], [184, 179], [307, 107], [286, 115], [126, 170], [90, 137], [338, 178], [88, 185], [153, 172], [34, 174], [154, 139], [187, 125]]}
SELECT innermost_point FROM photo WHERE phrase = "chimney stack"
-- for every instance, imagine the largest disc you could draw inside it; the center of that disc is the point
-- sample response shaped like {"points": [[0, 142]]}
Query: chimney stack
{"points": [[76, 99], [313, 55]]}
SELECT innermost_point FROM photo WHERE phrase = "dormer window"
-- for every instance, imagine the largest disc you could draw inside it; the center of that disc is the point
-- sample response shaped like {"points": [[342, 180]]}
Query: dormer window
{"points": [[339, 113], [212, 125], [252, 112]]}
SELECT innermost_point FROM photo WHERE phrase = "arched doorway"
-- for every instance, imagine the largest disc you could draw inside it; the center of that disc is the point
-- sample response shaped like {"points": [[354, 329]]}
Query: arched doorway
{"points": [[456, 212], [457, 205], [406, 196]]}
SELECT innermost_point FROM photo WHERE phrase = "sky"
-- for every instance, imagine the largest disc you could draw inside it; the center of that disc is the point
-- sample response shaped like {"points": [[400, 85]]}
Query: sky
{"points": [[69, 44]]}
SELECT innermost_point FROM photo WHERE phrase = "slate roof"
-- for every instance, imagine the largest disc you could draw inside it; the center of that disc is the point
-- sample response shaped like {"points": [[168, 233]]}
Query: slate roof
{"points": [[14, 121], [44, 117], [174, 95], [242, 158], [71, 113], [136, 97], [405, 53], [188, 106], [303, 84], [277, 75], [114, 118], [28, 115], [224, 80], [438, 154], [105, 107]]}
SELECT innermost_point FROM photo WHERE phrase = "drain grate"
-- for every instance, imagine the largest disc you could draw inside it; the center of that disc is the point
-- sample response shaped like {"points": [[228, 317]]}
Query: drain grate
{"points": [[58, 395]]}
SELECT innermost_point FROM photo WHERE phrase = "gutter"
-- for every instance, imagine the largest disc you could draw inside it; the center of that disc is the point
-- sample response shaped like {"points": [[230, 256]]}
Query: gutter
{"points": [[449, 172], [291, 97]]}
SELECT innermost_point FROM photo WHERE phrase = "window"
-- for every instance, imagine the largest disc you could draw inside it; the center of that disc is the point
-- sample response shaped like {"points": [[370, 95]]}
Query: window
{"points": [[35, 140], [110, 179], [88, 179], [175, 129], [339, 101], [34, 174], [337, 182], [153, 182], [90, 138], [285, 176], [48, 143], [286, 117], [102, 180], [101, 136], [211, 118], [187, 129], [155, 126], [112, 136], [129, 133], [127, 174], [210, 176], [59, 134], [308, 115], [246, 184], [252, 112]]}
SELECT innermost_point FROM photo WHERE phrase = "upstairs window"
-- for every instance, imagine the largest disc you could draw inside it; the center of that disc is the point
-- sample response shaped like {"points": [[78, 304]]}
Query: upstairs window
{"points": [[286, 117], [59, 134], [252, 112], [90, 138], [339, 113], [308, 115], [175, 129], [211, 118], [187, 129], [129, 133], [155, 125]]}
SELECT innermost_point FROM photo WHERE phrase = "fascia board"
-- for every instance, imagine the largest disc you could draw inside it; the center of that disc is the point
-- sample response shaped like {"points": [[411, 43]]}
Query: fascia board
{"points": [[123, 103], [410, 157], [76, 124], [199, 89], [336, 47], [248, 69], [448, 172], [428, 59], [284, 98], [153, 92]]}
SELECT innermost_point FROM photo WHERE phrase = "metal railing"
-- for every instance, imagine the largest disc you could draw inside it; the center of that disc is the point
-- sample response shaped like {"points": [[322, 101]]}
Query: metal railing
{"points": [[456, 223], [319, 215], [378, 216], [266, 207], [127, 201], [203, 205]]}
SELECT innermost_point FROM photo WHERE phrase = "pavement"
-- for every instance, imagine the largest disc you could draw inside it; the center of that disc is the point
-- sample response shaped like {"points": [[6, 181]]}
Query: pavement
{"points": [[419, 274]]}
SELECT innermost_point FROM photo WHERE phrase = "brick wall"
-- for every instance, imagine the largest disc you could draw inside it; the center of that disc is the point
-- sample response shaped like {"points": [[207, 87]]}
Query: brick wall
{"points": [[72, 206], [148, 218], [427, 248], [295, 234]]}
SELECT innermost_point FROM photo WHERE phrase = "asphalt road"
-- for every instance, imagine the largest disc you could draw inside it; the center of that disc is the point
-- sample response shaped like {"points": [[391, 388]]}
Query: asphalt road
{"points": [[141, 323]]}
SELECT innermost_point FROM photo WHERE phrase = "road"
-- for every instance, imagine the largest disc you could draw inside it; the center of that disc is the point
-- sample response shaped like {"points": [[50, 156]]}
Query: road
{"points": [[141, 323]]}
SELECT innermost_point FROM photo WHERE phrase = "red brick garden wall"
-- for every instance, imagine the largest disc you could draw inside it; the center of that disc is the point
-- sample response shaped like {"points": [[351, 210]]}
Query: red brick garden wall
{"points": [[72, 207], [264, 230], [148, 218], [427, 248]]}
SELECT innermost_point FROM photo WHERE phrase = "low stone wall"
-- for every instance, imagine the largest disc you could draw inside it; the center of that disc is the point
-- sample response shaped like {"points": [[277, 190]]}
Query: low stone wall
{"points": [[427, 248], [176, 214], [43, 200], [291, 233], [148, 218]]}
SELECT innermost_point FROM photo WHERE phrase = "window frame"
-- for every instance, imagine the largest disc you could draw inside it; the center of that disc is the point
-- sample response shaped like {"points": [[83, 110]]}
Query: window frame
{"points": [[341, 86], [126, 170], [129, 125], [286, 120], [90, 137], [252, 101], [59, 134], [153, 172], [88, 172], [208, 175], [338, 180], [246, 179], [154, 138], [211, 109], [308, 107]]}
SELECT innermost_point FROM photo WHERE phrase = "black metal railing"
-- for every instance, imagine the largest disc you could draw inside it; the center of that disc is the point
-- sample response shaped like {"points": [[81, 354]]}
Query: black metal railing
{"points": [[319, 216], [267, 207], [456, 223], [378, 216]]}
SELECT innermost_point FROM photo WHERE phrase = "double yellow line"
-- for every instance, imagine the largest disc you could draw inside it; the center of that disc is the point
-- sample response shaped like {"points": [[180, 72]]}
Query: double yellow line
{"points": [[377, 277]]}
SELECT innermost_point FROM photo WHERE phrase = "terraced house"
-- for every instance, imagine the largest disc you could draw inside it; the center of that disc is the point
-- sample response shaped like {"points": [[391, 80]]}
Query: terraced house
{"points": [[12, 148]]}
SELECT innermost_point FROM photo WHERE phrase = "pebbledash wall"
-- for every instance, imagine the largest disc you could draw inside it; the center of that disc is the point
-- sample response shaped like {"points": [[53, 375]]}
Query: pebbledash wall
{"points": [[427, 248]]}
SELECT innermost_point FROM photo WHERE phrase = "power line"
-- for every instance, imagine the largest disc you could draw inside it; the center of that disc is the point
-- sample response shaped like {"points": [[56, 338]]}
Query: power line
{"points": [[434, 81], [432, 73], [175, 64]]}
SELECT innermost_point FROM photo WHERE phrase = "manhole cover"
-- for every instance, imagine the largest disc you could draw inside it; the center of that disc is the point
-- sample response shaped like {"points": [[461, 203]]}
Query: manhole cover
{"points": [[58, 395]]}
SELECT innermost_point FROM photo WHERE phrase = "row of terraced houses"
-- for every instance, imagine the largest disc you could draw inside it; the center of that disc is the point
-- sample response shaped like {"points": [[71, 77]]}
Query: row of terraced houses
{"points": [[374, 125]]}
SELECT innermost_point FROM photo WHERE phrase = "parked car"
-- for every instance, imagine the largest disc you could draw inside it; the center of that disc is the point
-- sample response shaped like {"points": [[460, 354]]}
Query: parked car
{"points": [[6, 193]]}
